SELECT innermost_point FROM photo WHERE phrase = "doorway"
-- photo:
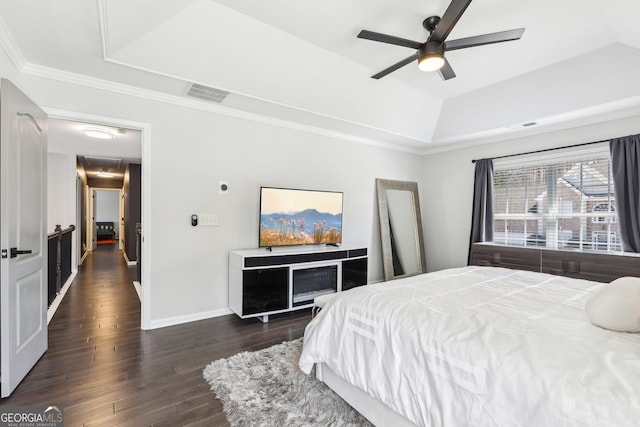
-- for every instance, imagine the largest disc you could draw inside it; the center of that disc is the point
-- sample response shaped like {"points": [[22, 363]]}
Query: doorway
{"points": [[108, 215], [81, 187]]}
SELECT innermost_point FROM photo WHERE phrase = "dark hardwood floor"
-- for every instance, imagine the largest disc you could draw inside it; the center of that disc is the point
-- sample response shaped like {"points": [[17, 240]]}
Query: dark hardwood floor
{"points": [[104, 370]]}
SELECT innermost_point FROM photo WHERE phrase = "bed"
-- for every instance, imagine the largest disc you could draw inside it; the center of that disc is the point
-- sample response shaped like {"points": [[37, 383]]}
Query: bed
{"points": [[105, 230], [481, 346]]}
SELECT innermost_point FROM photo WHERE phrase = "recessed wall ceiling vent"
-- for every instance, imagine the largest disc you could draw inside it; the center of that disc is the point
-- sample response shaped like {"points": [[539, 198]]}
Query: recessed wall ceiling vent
{"points": [[206, 93]]}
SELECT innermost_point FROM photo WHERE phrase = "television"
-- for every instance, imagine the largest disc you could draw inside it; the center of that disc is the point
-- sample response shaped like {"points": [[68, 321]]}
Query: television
{"points": [[291, 217]]}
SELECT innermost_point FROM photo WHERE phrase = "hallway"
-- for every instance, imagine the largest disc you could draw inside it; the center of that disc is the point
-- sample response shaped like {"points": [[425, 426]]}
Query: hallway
{"points": [[102, 369]]}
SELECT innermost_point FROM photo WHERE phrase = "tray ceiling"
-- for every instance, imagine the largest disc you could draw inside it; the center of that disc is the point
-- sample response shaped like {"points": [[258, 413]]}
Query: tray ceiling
{"points": [[301, 63]]}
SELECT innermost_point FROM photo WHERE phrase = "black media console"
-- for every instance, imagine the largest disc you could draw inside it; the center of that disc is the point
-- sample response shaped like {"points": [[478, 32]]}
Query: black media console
{"points": [[263, 283]]}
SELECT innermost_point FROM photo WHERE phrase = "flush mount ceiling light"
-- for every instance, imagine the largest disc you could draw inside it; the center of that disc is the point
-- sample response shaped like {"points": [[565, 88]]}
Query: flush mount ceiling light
{"points": [[105, 174], [98, 133]]}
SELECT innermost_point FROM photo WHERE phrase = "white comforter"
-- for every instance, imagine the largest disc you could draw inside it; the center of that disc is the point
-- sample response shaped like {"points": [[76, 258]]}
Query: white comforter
{"points": [[480, 346]]}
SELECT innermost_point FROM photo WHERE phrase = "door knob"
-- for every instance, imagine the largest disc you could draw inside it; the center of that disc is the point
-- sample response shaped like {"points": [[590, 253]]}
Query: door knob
{"points": [[15, 252]]}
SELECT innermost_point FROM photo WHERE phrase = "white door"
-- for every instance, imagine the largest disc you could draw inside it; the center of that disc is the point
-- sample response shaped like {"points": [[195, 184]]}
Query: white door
{"points": [[23, 237]]}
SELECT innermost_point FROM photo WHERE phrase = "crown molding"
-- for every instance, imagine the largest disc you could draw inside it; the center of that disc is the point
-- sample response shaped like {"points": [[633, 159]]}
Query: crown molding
{"points": [[10, 47], [123, 89], [603, 113]]}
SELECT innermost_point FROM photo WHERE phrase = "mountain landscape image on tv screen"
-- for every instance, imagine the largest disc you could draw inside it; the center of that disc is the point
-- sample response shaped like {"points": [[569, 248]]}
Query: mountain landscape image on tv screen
{"points": [[299, 217]]}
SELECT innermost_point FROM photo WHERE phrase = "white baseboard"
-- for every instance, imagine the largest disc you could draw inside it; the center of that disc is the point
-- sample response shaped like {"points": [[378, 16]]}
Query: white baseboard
{"points": [[177, 320], [129, 263], [138, 289], [58, 299]]}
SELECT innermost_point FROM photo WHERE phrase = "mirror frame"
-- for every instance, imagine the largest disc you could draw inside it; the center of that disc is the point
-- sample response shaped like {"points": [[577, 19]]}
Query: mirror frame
{"points": [[385, 233]]}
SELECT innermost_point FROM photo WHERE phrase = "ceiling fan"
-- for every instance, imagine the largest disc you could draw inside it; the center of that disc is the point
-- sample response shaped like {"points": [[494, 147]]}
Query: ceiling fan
{"points": [[430, 54]]}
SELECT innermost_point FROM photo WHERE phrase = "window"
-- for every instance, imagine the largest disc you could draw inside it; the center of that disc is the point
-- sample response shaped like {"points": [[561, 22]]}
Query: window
{"points": [[559, 202], [603, 207]]}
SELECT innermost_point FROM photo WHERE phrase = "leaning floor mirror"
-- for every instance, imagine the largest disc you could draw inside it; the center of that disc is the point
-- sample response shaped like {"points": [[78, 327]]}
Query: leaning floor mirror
{"points": [[400, 229]]}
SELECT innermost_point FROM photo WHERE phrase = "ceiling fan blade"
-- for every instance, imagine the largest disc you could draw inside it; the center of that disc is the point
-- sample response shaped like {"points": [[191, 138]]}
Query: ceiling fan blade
{"points": [[395, 66], [501, 36], [385, 38], [446, 72], [449, 19]]}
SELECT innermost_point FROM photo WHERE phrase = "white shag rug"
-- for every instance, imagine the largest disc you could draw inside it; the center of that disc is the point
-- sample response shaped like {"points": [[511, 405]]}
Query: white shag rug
{"points": [[266, 388]]}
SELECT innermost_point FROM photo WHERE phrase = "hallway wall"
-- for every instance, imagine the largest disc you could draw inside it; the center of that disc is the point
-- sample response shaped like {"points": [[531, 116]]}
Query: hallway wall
{"points": [[60, 179]]}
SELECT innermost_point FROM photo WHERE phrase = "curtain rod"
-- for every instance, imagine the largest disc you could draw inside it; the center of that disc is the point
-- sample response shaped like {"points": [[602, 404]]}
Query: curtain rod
{"points": [[544, 150]]}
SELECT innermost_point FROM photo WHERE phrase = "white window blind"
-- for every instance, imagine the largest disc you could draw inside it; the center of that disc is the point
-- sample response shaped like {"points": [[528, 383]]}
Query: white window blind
{"points": [[562, 200]]}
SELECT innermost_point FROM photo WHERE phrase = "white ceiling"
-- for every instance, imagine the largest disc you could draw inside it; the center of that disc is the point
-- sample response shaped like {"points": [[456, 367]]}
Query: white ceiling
{"points": [[300, 62]]}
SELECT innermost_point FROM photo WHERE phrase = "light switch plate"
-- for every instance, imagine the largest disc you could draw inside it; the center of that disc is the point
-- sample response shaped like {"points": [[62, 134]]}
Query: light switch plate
{"points": [[208, 220]]}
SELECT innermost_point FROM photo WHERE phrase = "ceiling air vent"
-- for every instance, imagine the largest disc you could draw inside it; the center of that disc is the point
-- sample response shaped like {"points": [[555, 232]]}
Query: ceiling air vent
{"points": [[206, 93]]}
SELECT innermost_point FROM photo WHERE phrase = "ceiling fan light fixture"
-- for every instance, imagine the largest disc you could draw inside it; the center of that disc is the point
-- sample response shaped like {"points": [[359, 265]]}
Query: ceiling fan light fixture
{"points": [[98, 133], [431, 56], [430, 63]]}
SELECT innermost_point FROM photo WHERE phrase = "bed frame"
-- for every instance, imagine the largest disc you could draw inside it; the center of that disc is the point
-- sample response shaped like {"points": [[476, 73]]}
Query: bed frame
{"points": [[372, 409], [599, 267]]}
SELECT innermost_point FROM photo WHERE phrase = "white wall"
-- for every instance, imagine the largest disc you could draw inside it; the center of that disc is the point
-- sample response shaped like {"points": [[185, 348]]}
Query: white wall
{"points": [[447, 185], [60, 202], [108, 206], [61, 187], [189, 152], [247, 155]]}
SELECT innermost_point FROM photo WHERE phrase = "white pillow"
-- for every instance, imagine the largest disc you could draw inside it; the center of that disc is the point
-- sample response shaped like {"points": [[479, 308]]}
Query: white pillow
{"points": [[616, 306]]}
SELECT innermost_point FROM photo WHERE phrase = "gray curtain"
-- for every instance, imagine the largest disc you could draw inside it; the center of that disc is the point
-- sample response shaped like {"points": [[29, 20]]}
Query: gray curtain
{"points": [[482, 214], [625, 165]]}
